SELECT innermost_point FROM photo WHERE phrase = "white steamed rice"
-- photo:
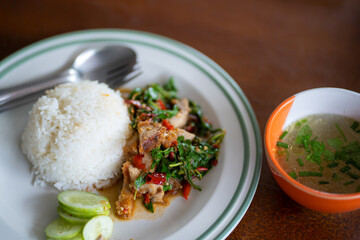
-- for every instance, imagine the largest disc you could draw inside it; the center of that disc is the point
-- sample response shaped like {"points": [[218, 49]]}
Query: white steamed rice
{"points": [[75, 136]]}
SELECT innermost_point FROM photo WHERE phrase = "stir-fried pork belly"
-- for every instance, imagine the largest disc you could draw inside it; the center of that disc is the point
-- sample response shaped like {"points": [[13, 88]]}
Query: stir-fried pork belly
{"points": [[147, 160], [150, 135], [161, 157], [185, 134], [180, 119], [156, 192], [131, 148], [153, 135], [125, 203]]}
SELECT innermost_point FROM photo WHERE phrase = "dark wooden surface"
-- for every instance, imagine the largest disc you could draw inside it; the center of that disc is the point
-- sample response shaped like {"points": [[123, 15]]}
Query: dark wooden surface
{"points": [[272, 48]]}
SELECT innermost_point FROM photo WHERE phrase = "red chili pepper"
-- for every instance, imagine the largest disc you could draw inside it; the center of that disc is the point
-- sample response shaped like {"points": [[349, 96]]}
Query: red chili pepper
{"points": [[147, 198], [186, 189], [174, 144], [172, 155], [202, 169], [161, 104], [137, 162], [156, 178], [166, 124], [134, 102]]}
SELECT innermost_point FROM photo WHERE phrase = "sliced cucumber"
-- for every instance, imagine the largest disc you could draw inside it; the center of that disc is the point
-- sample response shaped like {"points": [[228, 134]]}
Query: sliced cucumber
{"points": [[71, 218], [84, 202], [60, 228], [83, 214], [77, 237], [99, 227]]}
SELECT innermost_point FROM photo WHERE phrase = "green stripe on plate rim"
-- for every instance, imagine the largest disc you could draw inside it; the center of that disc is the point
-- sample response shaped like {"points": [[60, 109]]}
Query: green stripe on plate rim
{"points": [[250, 194]]}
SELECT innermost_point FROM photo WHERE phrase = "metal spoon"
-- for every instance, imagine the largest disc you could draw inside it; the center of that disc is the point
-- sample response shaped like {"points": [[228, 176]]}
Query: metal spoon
{"points": [[113, 65]]}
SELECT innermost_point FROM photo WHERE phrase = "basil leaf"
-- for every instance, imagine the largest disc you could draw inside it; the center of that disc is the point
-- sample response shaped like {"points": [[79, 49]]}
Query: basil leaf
{"points": [[140, 181], [149, 207], [164, 114]]}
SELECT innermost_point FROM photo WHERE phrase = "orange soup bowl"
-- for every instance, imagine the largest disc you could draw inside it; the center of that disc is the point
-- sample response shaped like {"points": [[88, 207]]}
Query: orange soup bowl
{"points": [[310, 102]]}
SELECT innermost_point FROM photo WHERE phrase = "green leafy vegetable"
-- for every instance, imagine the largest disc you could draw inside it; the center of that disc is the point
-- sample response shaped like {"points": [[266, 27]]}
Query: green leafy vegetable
{"points": [[335, 143], [201, 125], [333, 165], [167, 186], [315, 151], [353, 175], [300, 161], [355, 125], [217, 138], [301, 122], [309, 174], [164, 114], [188, 157], [283, 134], [354, 162], [151, 95], [136, 93], [304, 136], [348, 183], [185, 160], [282, 144], [345, 169], [170, 85], [149, 206], [329, 156], [350, 154], [341, 132], [293, 175], [145, 103]]}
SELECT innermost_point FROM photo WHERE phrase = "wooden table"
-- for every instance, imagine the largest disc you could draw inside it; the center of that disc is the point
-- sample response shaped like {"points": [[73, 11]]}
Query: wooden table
{"points": [[272, 48]]}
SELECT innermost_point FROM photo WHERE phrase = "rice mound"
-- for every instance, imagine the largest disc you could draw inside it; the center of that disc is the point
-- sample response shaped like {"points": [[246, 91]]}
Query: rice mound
{"points": [[75, 136]]}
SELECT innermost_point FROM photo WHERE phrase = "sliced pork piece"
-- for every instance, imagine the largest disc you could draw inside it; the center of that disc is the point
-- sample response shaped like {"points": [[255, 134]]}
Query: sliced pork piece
{"points": [[125, 202], [180, 119], [187, 135], [131, 147], [134, 173], [148, 160], [170, 136], [156, 191], [150, 136]]}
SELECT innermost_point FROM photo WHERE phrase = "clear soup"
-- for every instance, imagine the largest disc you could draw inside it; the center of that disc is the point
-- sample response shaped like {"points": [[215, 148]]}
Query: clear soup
{"points": [[322, 152]]}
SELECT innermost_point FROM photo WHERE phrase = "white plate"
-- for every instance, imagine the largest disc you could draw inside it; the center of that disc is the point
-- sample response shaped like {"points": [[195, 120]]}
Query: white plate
{"points": [[228, 189]]}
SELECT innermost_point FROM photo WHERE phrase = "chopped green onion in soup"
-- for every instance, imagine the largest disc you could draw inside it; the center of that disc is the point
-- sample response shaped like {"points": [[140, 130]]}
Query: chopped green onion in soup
{"points": [[322, 152]]}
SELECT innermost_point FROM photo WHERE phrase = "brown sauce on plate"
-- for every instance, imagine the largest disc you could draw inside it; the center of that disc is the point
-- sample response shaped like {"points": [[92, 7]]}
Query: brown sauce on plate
{"points": [[139, 212]]}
